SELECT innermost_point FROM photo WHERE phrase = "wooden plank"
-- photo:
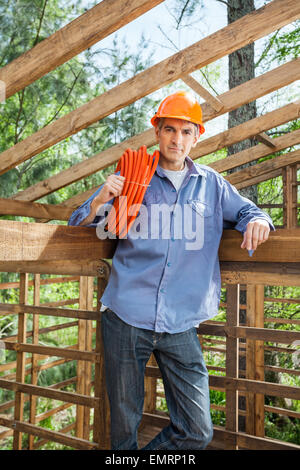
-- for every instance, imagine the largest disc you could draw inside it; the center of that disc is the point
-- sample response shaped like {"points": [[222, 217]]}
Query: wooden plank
{"points": [[252, 442], [34, 359], [259, 179], [84, 372], [232, 359], [290, 196], [52, 242], [271, 274], [255, 88], [101, 425], [52, 351], [20, 367], [34, 209], [48, 392], [52, 311], [265, 167], [20, 241], [246, 130], [214, 102], [255, 360], [16, 285], [247, 29], [265, 139], [93, 26], [267, 252], [75, 267], [54, 436]]}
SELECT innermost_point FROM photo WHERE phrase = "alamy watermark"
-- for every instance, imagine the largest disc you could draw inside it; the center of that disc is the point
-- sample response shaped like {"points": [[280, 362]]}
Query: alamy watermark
{"points": [[154, 222]]}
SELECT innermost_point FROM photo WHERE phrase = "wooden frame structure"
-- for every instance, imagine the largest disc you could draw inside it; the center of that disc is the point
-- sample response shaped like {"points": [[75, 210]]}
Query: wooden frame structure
{"points": [[75, 254]]}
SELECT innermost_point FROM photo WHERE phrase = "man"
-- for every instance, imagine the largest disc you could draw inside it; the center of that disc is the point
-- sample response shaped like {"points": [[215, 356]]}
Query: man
{"points": [[165, 280]]}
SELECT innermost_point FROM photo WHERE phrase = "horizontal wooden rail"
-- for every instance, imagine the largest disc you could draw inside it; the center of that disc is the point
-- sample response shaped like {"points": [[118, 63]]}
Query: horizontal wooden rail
{"points": [[48, 392], [19, 242], [57, 280], [52, 351], [54, 436], [51, 311]]}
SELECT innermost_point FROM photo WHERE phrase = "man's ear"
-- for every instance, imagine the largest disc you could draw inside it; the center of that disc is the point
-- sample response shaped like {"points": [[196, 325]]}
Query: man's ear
{"points": [[157, 132], [196, 138]]}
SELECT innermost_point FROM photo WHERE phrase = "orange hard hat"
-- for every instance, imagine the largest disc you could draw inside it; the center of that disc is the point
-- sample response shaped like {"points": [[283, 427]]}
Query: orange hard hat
{"points": [[180, 105]]}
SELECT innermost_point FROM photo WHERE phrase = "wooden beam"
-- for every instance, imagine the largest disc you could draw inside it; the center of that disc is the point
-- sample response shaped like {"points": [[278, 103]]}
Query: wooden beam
{"points": [[74, 267], [225, 41], [265, 167], [93, 26], [20, 241], [246, 130], [256, 152], [283, 246], [32, 242], [265, 139], [245, 93], [34, 209], [259, 179], [214, 102], [271, 273]]}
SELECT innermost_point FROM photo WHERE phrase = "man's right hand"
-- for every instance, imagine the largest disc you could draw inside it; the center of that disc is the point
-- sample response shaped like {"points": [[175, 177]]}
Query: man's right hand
{"points": [[112, 188]]}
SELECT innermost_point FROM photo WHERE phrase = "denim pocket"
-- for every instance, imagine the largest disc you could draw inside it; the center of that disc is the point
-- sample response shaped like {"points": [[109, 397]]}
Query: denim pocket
{"points": [[202, 208]]}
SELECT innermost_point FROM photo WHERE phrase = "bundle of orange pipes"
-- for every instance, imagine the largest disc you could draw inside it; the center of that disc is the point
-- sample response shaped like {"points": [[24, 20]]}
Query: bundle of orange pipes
{"points": [[138, 167]]}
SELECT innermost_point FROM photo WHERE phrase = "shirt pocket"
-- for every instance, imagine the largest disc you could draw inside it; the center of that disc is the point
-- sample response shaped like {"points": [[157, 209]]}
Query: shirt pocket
{"points": [[201, 208]]}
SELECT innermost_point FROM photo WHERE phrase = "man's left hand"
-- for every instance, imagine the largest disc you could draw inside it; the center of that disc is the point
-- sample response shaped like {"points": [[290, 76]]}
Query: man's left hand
{"points": [[257, 233]]}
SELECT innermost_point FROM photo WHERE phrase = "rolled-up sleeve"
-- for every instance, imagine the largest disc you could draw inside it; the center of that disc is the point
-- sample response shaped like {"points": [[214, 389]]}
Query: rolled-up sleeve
{"points": [[83, 211], [238, 211]]}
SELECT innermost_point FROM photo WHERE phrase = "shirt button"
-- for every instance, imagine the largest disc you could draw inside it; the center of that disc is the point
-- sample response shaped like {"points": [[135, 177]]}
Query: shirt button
{"points": [[173, 190], [169, 264], [162, 290], [173, 239]]}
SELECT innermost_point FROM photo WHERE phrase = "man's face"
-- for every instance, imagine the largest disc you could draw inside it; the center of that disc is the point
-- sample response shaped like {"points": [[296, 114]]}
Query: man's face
{"points": [[176, 138]]}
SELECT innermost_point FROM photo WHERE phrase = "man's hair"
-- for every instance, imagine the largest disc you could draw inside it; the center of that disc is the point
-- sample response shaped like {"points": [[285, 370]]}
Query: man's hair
{"points": [[162, 120]]}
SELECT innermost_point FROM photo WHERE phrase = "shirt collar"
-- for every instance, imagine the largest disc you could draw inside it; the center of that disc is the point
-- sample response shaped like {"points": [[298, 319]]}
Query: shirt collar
{"points": [[192, 169]]}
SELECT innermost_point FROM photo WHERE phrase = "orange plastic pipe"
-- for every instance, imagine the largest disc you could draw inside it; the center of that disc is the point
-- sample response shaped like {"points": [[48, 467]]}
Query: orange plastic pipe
{"points": [[137, 167]]}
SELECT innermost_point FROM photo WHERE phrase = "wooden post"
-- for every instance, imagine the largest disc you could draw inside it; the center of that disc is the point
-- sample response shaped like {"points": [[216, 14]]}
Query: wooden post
{"points": [[150, 389], [101, 427], [255, 361], [84, 344], [34, 359], [232, 356], [21, 356], [289, 176]]}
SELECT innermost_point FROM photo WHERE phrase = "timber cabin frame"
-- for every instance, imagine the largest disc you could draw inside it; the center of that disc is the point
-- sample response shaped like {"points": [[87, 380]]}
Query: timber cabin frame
{"points": [[76, 254]]}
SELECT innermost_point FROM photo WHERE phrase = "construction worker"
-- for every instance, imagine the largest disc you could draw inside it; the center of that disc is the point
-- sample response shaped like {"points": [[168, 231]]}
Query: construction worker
{"points": [[161, 287]]}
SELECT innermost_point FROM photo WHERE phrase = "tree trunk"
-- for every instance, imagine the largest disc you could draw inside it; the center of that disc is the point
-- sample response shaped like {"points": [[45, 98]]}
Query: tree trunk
{"points": [[241, 69]]}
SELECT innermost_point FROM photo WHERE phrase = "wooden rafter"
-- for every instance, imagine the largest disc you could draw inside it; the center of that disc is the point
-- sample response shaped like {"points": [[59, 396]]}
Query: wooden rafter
{"points": [[94, 25], [258, 151], [279, 77], [225, 41], [214, 101], [247, 130], [264, 167]]}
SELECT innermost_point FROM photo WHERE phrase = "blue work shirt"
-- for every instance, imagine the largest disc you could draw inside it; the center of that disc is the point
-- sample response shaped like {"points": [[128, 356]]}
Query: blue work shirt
{"points": [[165, 274]]}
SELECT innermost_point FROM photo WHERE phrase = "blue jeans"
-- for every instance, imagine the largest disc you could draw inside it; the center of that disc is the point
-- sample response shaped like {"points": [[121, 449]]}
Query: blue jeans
{"points": [[179, 357]]}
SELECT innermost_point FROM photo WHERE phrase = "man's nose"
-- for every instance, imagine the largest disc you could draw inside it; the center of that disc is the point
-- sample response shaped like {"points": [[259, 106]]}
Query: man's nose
{"points": [[177, 138]]}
